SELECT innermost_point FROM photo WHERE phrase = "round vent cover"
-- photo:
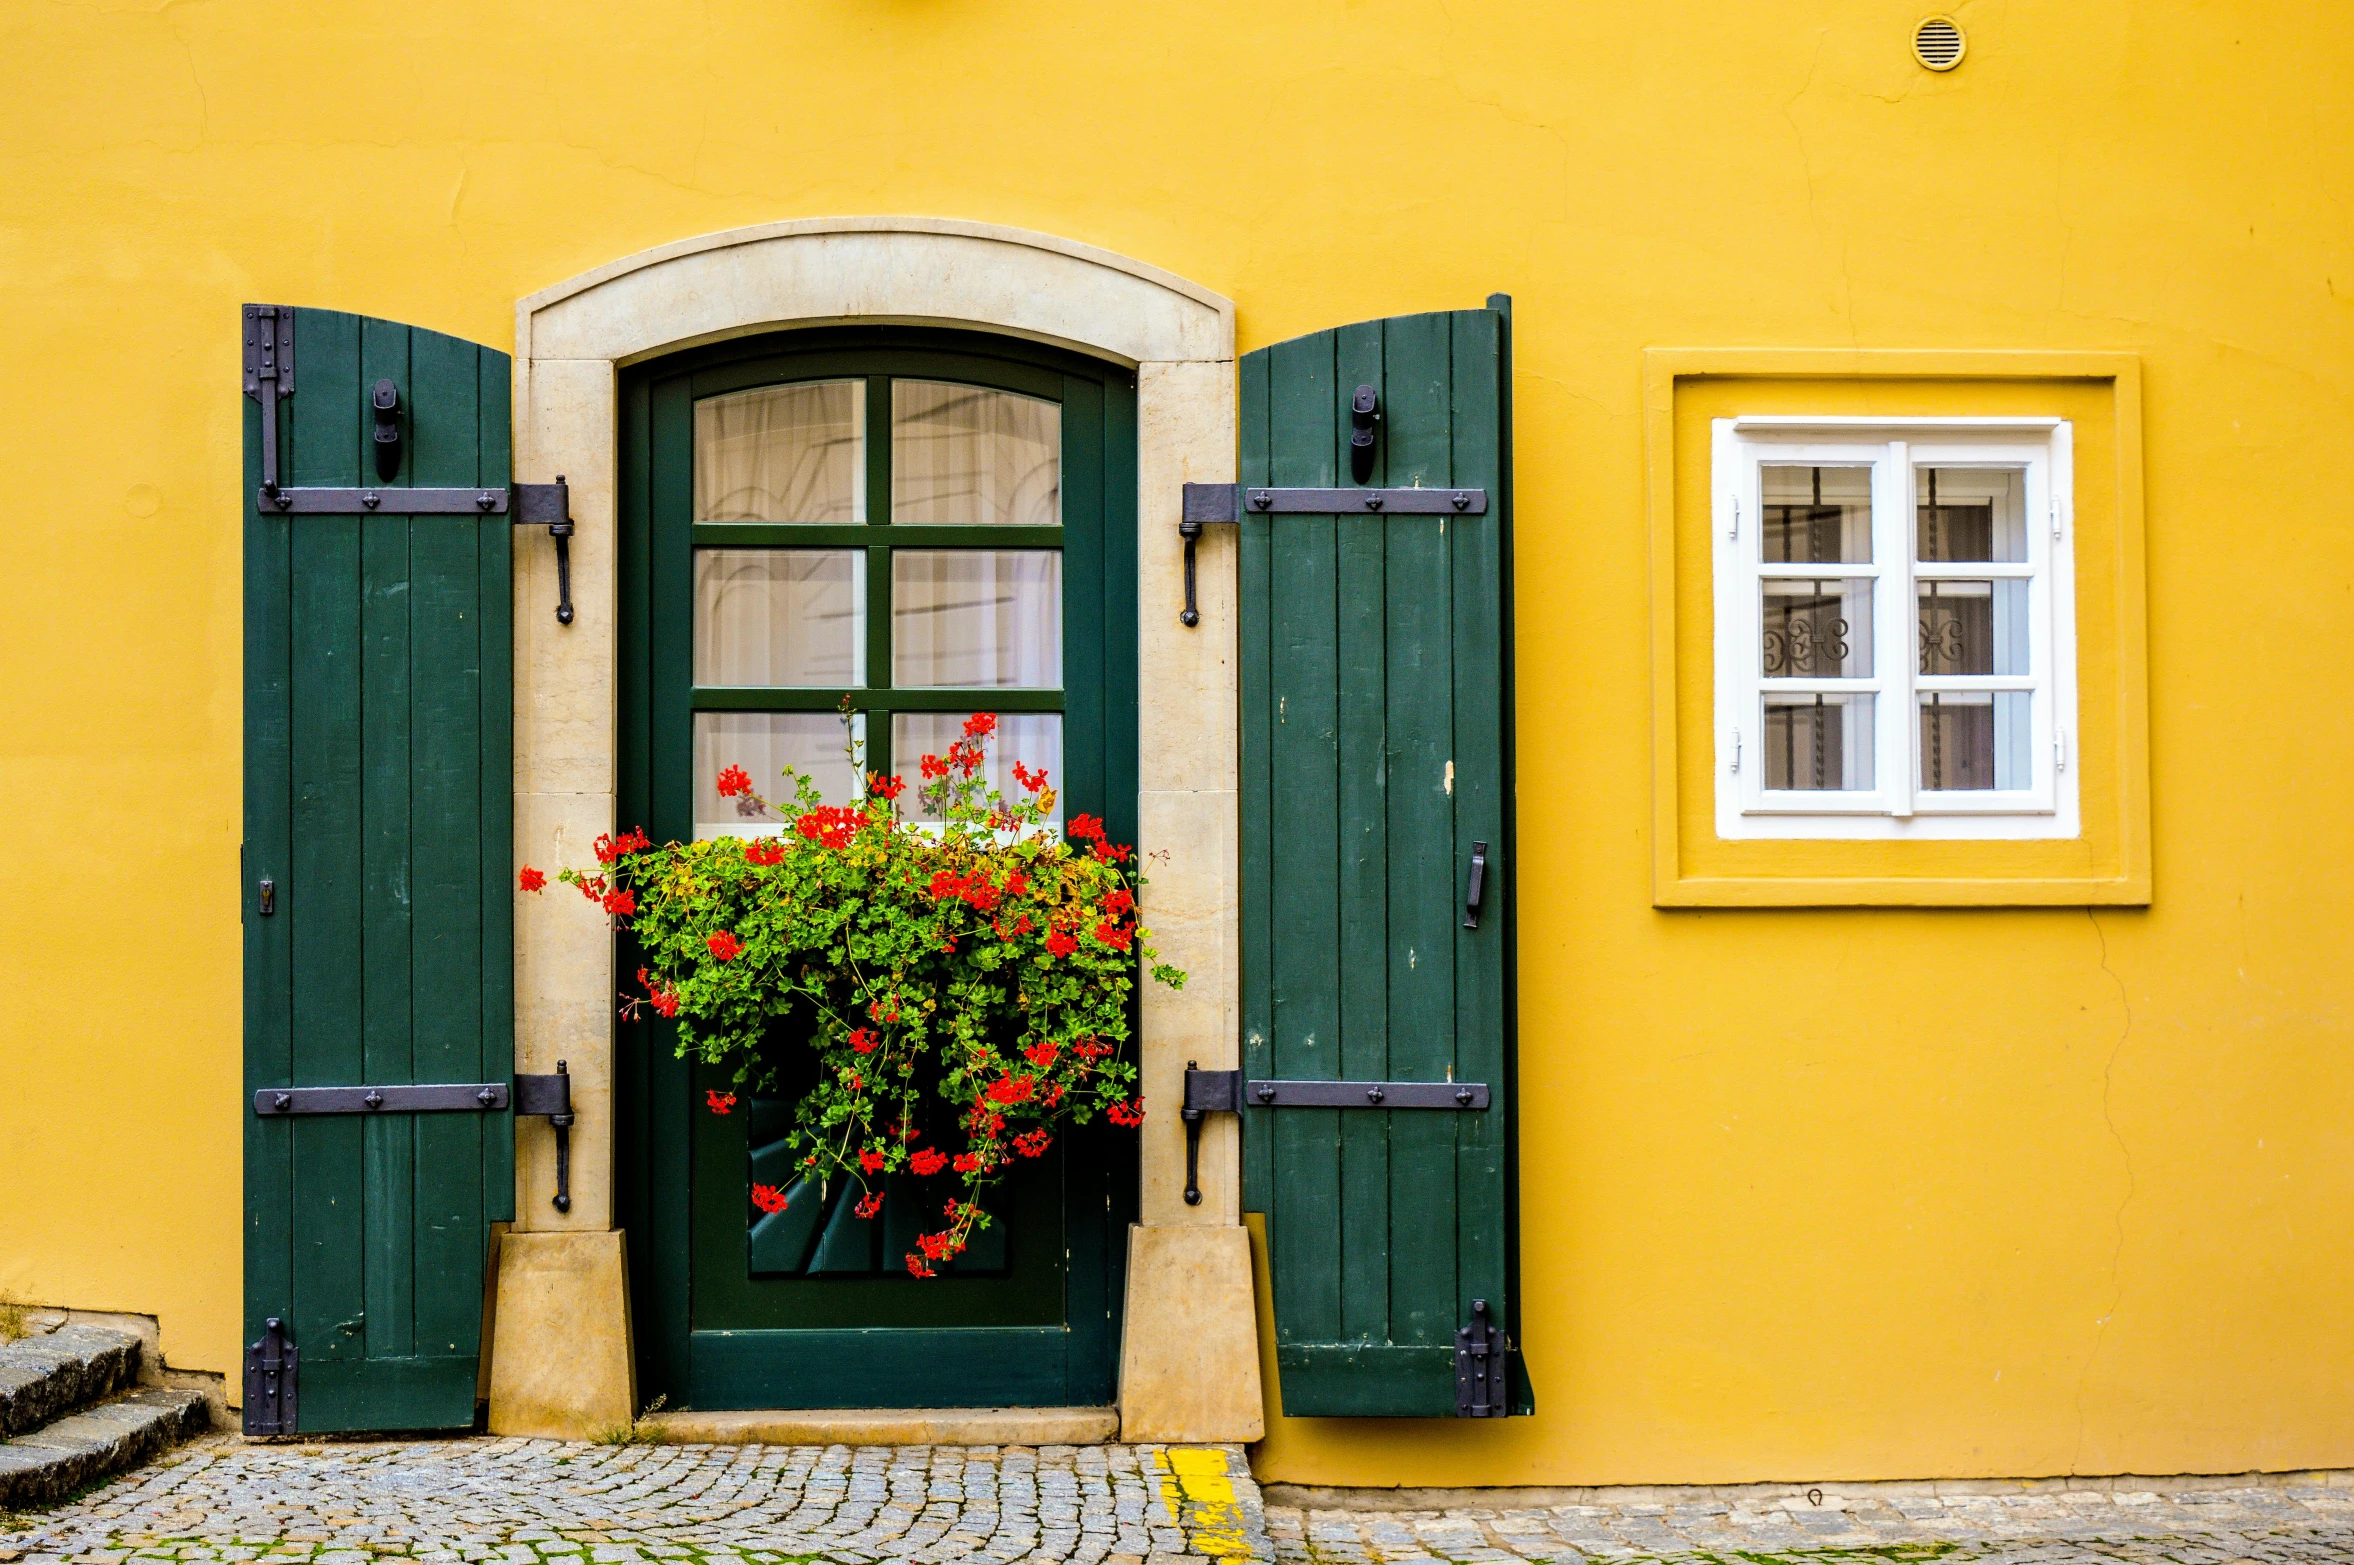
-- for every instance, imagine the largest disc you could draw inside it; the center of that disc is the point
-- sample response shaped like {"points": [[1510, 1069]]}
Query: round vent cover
{"points": [[1938, 43]]}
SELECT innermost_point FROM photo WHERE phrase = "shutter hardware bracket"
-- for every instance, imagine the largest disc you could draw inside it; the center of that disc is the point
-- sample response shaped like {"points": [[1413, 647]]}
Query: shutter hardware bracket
{"points": [[1480, 1356], [552, 1096], [270, 1366], [1227, 1092], [1206, 503]]}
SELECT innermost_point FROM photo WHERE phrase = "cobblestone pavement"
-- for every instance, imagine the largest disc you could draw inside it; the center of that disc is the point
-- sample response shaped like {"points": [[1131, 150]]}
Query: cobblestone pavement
{"points": [[1868, 1524], [525, 1501], [532, 1502]]}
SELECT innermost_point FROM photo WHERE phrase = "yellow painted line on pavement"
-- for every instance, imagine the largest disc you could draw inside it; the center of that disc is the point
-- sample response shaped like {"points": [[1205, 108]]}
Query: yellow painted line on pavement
{"points": [[1199, 1491]]}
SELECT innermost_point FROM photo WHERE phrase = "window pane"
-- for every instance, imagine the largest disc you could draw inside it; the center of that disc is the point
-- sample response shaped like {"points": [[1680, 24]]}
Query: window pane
{"points": [[780, 617], [1033, 738], [1974, 627], [764, 744], [977, 617], [1816, 514], [1818, 629], [1967, 513], [1818, 742], [963, 456], [783, 454], [1977, 740]]}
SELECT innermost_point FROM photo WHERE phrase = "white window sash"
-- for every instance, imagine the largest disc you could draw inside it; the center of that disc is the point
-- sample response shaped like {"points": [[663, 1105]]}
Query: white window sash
{"points": [[2039, 450]]}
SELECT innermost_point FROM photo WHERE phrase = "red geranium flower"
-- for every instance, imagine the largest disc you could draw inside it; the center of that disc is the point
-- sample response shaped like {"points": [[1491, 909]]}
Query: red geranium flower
{"points": [[724, 945], [871, 1205], [1083, 827], [734, 780], [769, 1198], [1042, 1053], [1119, 901], [1060, 943], [1034, 1143], [980, 725], [621, 904], [1114, 935], [720, 1102], [531, 879], [1130, 1115], [764, 851], [916, 1268], [928, 1162], [863, 1039], [885, 788], [870, 1162], [934, 767]]}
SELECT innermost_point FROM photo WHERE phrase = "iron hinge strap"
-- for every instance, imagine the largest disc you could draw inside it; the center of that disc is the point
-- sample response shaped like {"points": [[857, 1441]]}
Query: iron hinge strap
{"points": [[1206, 503], [526, 505], [1228, 1092]]}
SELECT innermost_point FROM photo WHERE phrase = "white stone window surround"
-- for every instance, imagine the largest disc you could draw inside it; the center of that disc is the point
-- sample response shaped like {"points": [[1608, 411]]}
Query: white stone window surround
{"points": [[1894, 449], [571, 341]]}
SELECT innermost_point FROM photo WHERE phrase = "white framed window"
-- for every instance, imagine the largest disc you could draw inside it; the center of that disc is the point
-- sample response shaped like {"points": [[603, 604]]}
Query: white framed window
{"points": [[1895, 629]]}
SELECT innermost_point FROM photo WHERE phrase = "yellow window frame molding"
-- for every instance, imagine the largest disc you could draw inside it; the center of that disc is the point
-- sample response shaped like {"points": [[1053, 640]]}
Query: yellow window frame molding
{"points": [[2108, 863]]}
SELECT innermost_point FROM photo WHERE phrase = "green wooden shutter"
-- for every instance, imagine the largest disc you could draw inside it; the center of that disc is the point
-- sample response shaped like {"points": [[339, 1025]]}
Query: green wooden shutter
{"points": [[378, 799], [1376, 706]]}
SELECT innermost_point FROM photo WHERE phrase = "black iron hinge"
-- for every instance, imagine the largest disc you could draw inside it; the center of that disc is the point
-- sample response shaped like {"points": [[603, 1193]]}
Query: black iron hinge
{"points": [[1207, 503], [270, 1367], [1227, 1092], [1482, 1364]]}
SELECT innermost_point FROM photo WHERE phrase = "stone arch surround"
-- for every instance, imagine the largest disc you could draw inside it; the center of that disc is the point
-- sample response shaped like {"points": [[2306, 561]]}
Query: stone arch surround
{"points": [[1190, 1366]]}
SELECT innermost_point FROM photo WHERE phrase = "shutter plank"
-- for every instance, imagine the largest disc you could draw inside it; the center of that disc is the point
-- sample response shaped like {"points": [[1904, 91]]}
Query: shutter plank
{"points": [[1479, 611], [494, 599], [268, 942], [446, 778], [1360, 694], [1254, 647], [1421, 892], [386, 925], [329, 1285], [1305, 779]]}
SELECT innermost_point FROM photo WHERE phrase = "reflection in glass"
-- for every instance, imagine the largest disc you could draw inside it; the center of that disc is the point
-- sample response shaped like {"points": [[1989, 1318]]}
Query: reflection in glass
{"points": [[1976, 739], [965, 456], [764, 744], [783, 454], [780, 617], [1033, 738], [1966, 513], [1816, 515], [1818, 742], [1818, 629], [975, 618], [1973, 627]]}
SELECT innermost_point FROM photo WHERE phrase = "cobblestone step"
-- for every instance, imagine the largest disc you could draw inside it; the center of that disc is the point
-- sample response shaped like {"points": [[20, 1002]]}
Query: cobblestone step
{"points": [[41, 1377], [67, 1453]]}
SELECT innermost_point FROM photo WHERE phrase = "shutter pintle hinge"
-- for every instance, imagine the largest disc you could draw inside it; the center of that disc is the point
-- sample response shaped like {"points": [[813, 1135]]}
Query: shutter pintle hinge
{"points": [[1481, 1354], [270, 1366], [269, 375], [552, 1096]]}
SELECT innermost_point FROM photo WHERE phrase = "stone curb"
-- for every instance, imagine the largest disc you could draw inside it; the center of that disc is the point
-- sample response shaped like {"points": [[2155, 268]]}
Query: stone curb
{"points": [[41, 1468], [41, 1377]]}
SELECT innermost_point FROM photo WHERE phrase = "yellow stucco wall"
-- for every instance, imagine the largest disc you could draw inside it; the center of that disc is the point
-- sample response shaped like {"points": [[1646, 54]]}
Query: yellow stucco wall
{"points": [[1807, 1193]]}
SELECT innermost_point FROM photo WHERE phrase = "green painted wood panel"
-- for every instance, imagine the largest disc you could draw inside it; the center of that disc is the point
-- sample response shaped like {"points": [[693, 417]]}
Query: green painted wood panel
{"points": [[1374, 747], [378, 797]]}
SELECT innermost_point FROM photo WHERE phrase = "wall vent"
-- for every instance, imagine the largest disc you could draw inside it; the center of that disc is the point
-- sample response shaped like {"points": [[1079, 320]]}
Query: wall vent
{"points": [[1938, 43]]}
